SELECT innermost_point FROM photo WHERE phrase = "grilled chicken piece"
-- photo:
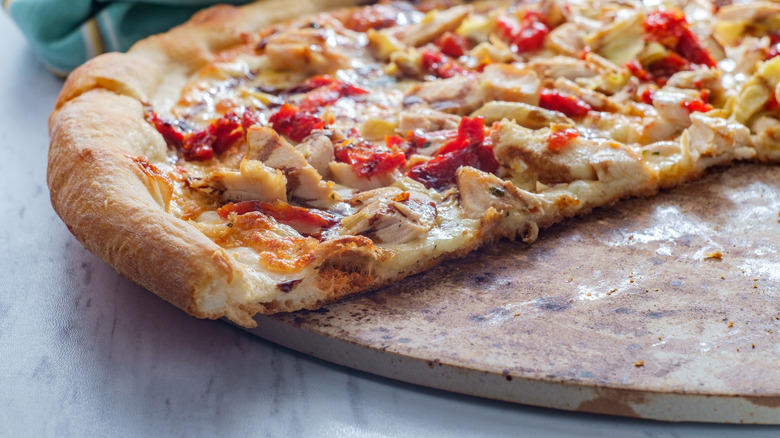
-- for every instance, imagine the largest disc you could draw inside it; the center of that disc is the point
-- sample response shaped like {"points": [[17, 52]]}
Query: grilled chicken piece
{"points": [[433, 25], [588, 159], [391, 215], [480, 191], [303, 180], [458, 95], [562, 66], [304, 50], [529, 116], [253, 182], [509, 83], [345, 175], [426, 120], [716, 138], [703, 78], [318, 151], [673, 116]]}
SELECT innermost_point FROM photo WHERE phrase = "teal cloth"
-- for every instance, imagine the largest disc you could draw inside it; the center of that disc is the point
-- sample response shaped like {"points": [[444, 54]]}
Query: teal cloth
{"points": [[66, 33]]}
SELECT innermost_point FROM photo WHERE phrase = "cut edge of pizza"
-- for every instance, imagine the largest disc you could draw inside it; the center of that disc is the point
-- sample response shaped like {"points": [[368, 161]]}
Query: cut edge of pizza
{"points": [[337, 154]]}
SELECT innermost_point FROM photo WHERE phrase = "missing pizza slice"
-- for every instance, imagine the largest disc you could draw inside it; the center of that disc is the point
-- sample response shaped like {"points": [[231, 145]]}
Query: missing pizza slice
{"points": [[244, 163]]}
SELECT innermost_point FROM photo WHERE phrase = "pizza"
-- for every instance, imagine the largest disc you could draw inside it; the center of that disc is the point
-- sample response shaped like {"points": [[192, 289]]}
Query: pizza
{"points": [[287, 154]]}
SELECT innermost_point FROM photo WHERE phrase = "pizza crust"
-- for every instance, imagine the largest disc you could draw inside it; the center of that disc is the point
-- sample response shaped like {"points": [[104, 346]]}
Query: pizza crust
{"points": [[98, 127]]}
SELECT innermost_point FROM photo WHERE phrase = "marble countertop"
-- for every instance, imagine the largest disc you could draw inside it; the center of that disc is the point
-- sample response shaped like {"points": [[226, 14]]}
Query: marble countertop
{"points": [[85, 352]]}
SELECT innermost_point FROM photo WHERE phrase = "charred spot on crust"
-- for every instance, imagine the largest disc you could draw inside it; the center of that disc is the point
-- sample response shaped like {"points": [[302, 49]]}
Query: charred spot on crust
{"points": [[287, 286]]}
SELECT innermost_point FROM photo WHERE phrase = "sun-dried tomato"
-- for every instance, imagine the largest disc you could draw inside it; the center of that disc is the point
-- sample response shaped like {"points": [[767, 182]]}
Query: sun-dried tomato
{"points": [[563, 102], [368, 159], [201, 144], [452, 44], [296, 217], [647, 95], [469, 148], [560, 139], [670, 29], [638, 71], [471, 131], [525, 35], [328, 94], [294, 123], [442, 66], [664, 68]]}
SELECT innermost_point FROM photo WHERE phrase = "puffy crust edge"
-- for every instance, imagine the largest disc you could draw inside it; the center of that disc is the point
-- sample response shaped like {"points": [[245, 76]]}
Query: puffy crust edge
{"points": [[98, 126]]}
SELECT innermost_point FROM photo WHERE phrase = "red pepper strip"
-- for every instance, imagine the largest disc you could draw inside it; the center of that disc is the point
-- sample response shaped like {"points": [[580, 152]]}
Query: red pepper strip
{"points": [[172, 132], [440, 172], [329, 94], [563, 102], [283, 213], [452, 44], [526, 35], [294, 123], [201, 145], [647, 95], [469, 148], [471, 131], [367, 159], [560, 139], [440, 65], [671, 29]]}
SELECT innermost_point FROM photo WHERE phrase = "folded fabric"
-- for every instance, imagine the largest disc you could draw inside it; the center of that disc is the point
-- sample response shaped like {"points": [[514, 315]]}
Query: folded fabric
{"points": [[66, 33]]}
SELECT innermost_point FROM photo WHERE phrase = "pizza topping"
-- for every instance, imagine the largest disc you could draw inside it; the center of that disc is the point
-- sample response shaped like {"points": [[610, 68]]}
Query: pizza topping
{"points": [[391, 215], [303, 180], [442, 66], [309, 50], [671, 29], [201, 144], [562, 138], [565, 103], [253, 181], [434, 24], [373, 17], [526, 34], [469, 148], [304, 220], [368, 159], [452, 44], [294, 123]]}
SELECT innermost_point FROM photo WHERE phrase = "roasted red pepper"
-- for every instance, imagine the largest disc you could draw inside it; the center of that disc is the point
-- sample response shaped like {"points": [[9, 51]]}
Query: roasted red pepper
{"points": [[452, 44], [202, 144], [663, 69], [563, 102], [638, 71], [296, 217], [328, 94], [368, 159], [560, 139], [671, 29], [525, 35], [294, 123], [442, 66], [469, 148]]}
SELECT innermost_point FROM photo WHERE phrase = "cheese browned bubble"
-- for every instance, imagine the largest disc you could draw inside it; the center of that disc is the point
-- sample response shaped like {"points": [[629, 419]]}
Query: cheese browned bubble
{"points": [[337, 153]]}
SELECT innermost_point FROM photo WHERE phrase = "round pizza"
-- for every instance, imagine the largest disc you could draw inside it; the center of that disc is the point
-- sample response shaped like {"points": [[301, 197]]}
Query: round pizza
{"points": [[286, 154]]}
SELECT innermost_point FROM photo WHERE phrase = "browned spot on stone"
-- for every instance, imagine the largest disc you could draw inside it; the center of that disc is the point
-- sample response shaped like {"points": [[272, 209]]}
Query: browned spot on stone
{"points": [[613, 402], [769, 402]]}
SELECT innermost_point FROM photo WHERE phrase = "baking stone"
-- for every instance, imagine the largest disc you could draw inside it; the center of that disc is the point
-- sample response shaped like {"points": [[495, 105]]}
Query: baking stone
{"points": [[665, 308]]}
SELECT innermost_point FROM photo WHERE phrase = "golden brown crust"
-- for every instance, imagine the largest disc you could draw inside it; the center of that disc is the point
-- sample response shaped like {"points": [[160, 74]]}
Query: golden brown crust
{"points": [[101, 193]]}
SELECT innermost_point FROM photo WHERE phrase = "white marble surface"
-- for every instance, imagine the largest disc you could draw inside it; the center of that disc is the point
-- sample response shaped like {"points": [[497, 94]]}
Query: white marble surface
{"points": [[84, 352]]}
